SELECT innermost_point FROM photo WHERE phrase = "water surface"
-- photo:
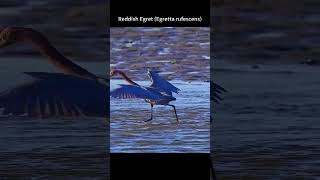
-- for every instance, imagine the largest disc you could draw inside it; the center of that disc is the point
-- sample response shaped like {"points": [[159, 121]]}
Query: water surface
{"points": [[73, 147], [129, 132]]}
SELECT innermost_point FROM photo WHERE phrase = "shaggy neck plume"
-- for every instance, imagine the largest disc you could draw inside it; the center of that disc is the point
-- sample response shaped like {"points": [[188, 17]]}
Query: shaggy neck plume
{"points": [[125, 77], [55, 57]]}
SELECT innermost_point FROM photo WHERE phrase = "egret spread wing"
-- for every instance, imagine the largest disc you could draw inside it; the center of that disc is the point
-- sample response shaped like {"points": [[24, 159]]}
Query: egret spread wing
{"points": [[56, 95], [162, 84], [133, 91]]}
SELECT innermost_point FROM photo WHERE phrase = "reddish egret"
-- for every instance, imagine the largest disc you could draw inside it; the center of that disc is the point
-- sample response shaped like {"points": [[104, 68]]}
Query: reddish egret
{"points": [[73, 92], [158, 93]]}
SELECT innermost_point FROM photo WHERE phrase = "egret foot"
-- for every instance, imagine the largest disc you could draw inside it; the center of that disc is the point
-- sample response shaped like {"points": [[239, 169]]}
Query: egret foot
{"points": [[151, 114], [175, 112]]}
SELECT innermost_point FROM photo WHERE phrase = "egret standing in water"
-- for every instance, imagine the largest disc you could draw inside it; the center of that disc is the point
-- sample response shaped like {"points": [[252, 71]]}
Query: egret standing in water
{"points": [[158, 93]]}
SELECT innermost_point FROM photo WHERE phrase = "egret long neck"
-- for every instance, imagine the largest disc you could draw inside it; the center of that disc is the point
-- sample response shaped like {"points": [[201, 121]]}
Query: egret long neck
{"points": [[126, 78], [57, 59]]}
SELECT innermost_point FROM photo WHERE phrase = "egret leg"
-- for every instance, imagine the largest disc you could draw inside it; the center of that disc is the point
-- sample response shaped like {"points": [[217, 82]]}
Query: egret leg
{"points": [[175, 112], [151, 114]]}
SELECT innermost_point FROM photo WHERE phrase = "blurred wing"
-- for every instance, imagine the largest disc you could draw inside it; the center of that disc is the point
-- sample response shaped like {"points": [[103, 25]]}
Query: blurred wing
{"points": [[216, 91], [56, 95], [133, 91], [162, 84]]}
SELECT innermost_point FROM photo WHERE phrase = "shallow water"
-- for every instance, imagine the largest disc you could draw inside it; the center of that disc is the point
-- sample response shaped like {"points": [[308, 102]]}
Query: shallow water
{"points": [[244, 31], [267, 127], [35, 147], [178, 52], [54, 148], [129, 132]]}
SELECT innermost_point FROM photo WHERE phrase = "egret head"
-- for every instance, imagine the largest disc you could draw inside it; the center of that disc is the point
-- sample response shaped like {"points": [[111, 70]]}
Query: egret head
{"points": [[9, 35], [114, 72]]}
